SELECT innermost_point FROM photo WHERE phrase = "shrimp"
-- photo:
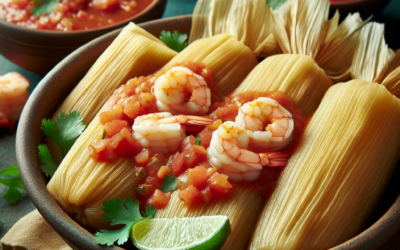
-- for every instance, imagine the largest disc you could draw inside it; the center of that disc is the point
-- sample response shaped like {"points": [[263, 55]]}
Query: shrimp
{"points": [[269, 114], [13, 94], [228, 152], [163, 132], [180, 91]]}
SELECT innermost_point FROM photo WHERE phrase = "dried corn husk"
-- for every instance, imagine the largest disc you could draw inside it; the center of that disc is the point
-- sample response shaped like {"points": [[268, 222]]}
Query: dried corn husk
{"points": [[81, 185], [349, 150]]}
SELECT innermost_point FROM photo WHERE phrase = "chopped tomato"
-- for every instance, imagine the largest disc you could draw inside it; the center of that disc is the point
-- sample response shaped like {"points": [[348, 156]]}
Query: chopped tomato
{"points": [[176, 162], [114, 127], [162, 157], [145, 189], [105, 5], [154, 181], [189, 194], [147, 100], [227, 111], [220, 183], [124, 144], [197, 176], [102, 150], [131, 107], [159, 199], [144, 156], [153, 166], [164, 171], [205, 136], [192, 154], [109, 116]]}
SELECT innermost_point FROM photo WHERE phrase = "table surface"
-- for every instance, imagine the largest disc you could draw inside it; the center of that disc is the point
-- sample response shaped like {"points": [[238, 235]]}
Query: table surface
{"points": [[9, 214]]}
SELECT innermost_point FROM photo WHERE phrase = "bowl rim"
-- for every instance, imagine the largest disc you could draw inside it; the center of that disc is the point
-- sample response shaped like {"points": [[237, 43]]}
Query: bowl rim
{"points": [[66, 34], [351, 4], [71, 231]]}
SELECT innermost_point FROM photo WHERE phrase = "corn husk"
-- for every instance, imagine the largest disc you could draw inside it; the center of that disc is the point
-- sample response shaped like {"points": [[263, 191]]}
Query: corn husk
{"points": [[135, 52], [81, 184], [213, 52], [250, 21], [349, 150]]}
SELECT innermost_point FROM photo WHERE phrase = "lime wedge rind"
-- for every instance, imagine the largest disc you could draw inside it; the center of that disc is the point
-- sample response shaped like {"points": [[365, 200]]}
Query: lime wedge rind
{"points": [[171, 232]]}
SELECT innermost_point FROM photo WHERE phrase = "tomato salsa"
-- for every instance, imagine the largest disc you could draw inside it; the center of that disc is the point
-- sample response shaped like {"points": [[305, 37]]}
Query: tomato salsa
{"points": [[198, 181], [71, 15]]}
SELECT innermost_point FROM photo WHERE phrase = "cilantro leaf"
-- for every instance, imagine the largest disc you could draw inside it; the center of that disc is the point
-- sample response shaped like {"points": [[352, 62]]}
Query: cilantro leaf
{"points": [[169, 183], [48, 166], [65, 131], [198, 141], [176, 41], [275, 4], [150, 211], [127, 214], [11, 178], [44, 7]]}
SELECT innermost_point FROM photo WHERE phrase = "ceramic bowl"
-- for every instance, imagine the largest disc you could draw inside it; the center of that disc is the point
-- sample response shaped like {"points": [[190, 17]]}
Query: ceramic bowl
{"points": [[59, 82], [40, 50], [366, 8]]}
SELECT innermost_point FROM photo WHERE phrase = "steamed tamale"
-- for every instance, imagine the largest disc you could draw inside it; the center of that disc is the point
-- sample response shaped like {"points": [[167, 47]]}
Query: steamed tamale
{"points": [[349, 150], [82, 184]]}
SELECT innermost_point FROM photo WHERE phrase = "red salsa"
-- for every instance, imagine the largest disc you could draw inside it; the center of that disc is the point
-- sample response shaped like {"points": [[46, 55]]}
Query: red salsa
{"points": [[71, 15]]}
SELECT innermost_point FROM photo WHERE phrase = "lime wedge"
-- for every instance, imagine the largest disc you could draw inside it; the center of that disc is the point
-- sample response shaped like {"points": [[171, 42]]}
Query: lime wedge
{"points": [[206, 232]]}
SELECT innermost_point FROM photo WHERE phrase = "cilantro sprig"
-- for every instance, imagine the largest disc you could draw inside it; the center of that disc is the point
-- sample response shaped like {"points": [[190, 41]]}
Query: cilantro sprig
{"points": [[169, 183], [121, 213], [43, 6], [11, 178], [64, 133], [176, 41]]}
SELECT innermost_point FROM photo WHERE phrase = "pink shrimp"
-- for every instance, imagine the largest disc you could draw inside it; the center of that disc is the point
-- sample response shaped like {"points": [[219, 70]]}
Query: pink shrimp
{"points": [[228, 152], [13, 94]]}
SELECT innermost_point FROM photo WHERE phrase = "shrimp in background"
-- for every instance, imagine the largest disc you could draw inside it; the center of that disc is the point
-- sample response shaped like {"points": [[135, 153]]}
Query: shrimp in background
{"points": [[163, 132], [181, 91], [228, 152], [269, 114], [13, 94]]}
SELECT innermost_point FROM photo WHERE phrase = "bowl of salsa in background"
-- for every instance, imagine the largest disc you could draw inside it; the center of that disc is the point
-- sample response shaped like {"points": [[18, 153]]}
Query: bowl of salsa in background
{"points": [[56, 86], [37, 44], [366, 8]]}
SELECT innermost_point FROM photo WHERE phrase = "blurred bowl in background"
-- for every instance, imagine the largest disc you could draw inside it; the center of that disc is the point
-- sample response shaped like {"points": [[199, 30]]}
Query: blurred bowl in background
{"points": [[366, 8]]}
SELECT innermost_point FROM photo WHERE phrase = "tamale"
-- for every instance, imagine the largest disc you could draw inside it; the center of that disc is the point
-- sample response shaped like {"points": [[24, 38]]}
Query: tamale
{"points": [[335, 178], [135, 52], [82, 184], [296, 74]]}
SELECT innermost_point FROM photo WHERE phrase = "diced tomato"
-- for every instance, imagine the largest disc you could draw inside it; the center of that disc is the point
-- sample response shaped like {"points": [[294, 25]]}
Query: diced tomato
{"points": [[129, 89], [211, 171], [154, 181], [82, 14], [114, 127], [227, 111], [164, 171], [105, 5], [143, 157], [200, 151], [197, 176], [124, 144], [192, 154], [102, 150], [132, 106], [220, 183], [109, 116], [207, 194], [153, 166], [190, 194], [21, 4], [162, 157], [147, 100], [159, 199], [176, 162], [205, 136], [145, 189]]}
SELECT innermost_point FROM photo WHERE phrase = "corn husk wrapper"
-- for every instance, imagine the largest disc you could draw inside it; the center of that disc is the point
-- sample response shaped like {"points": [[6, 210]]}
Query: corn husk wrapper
{"points": [[81, 184], [250, 21], [135, 52], [349, 150]]}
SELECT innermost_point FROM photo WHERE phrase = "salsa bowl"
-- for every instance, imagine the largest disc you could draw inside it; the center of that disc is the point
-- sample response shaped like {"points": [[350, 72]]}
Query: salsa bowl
{"points": [[40, 50], [59, 82]]}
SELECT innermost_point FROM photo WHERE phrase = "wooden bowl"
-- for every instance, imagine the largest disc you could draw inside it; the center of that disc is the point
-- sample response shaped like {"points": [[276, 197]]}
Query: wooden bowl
{"points": [[366, 8], [40, 50], [59, 82]]}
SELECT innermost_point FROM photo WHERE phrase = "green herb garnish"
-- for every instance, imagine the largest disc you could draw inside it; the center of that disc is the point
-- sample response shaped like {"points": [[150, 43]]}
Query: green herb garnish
{"points": [[150, 211], [43, 6], [176, 41], [64, 133], [11, 178], [120, 214], [275, 4], [169, 183], [198, 141]]}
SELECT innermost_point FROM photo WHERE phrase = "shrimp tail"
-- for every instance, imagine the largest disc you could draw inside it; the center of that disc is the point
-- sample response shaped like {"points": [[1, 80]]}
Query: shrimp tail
{"points": [[194, 120], [274, 159]]}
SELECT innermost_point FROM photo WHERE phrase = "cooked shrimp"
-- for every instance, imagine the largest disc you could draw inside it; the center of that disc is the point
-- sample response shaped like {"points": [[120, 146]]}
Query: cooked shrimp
{"points": [[13, 94], [180, 91], [269, 114], [162, 132], [228, 152]]}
